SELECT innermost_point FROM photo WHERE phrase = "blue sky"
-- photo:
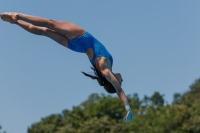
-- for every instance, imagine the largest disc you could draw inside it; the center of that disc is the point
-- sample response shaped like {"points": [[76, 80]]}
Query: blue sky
{"points": [[155, 45]]}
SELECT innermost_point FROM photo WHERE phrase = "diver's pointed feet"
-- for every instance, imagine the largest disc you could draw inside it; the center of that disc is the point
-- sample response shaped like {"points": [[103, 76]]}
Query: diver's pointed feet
{"points": [[9, 17]]}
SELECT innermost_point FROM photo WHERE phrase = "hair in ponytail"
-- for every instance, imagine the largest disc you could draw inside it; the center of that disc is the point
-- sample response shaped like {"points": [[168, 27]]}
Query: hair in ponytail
{"points": [[101, 80]]}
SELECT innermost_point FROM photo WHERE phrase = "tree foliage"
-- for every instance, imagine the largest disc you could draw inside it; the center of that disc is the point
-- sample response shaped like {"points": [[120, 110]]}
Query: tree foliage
{"points": [[104, 113]]}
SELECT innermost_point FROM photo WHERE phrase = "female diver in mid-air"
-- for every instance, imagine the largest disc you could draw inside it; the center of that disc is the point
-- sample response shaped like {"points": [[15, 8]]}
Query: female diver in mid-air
{"points": [[77, 39]]}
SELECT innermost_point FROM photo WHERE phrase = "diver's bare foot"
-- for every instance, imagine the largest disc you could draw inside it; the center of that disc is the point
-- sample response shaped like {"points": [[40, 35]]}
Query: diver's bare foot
{"points": [[9, 17]]}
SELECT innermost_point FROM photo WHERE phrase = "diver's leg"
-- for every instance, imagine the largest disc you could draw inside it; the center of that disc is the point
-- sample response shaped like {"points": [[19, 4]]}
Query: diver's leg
{"points": [[59, 38], [65, 28]]}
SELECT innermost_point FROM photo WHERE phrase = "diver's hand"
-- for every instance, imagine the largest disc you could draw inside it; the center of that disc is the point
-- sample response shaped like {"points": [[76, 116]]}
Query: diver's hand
{"points": [[129, 115]]}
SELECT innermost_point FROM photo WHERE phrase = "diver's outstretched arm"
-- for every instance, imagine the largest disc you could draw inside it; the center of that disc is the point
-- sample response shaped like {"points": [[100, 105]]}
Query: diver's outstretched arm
{"points": [[111, 78]]}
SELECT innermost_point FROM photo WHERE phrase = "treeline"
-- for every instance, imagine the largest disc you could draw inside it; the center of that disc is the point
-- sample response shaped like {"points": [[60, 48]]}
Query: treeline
{"points": [[104, 113]]}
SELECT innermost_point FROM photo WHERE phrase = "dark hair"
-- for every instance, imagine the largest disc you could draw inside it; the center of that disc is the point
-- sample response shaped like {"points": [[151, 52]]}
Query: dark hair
{"points": [[101, 80]]}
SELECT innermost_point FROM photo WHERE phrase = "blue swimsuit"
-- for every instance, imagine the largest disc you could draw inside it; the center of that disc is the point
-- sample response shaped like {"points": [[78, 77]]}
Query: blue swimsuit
{"points": [[85, 41]]}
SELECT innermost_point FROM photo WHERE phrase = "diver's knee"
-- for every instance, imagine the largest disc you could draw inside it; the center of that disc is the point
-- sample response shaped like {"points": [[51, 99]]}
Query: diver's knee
{"points": [[50, 23]]}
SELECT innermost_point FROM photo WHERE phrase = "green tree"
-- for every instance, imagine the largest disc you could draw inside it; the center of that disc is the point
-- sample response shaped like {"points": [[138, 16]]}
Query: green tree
{"points": [[104, 113], [49, 124], [191, 99]]}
